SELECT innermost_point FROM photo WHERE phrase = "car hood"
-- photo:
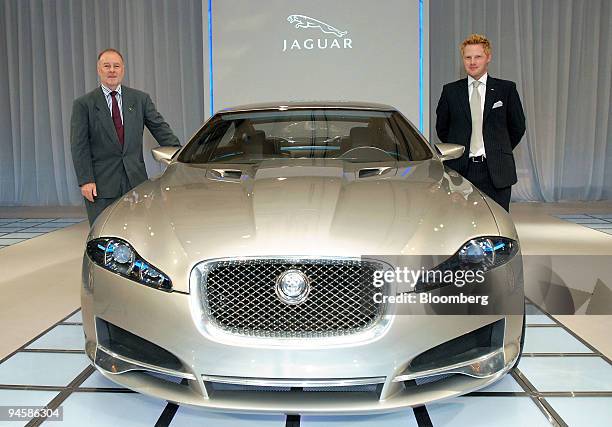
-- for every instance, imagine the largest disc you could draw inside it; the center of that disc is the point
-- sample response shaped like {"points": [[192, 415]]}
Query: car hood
{"points": [[297, 207]]}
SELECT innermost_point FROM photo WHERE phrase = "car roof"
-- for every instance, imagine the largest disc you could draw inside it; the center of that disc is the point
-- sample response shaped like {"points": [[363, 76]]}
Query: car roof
{"points": [[296, 105]]}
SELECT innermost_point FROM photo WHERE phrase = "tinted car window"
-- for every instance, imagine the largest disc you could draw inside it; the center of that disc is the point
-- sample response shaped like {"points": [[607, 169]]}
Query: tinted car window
{"points": [[351, 135]]}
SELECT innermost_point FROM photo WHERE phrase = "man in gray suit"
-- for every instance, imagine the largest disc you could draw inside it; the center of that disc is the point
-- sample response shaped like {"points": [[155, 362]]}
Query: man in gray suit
{"points": [[106, 136]]}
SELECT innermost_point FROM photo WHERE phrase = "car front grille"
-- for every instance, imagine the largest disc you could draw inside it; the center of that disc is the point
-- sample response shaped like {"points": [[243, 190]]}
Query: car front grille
{"points": [[239, 296]]}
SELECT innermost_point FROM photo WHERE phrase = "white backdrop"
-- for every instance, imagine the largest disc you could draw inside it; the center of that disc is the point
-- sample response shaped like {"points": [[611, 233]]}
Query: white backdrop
{"points": [[358, 50]]}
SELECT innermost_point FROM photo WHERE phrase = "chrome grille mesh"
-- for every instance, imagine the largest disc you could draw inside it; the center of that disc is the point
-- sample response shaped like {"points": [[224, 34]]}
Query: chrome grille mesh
{"points": [[365, 388], [239, 297]]}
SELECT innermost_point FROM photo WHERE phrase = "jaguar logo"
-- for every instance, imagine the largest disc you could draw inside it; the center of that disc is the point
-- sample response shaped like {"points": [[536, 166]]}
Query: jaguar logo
{"points": [[303, 21], [292, 287]]}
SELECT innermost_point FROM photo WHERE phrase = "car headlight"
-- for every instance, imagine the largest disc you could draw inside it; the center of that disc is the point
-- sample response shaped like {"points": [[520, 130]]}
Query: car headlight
{"points": [[120, 257], [481, 254]]}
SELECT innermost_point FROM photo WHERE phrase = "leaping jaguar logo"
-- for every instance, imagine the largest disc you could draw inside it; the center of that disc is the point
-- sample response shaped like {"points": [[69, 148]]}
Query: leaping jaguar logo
{"points": [[302, 21]]}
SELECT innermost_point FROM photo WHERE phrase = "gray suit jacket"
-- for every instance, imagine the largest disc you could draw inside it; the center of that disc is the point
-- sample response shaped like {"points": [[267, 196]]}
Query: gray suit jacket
{"points": [[96, 152]]}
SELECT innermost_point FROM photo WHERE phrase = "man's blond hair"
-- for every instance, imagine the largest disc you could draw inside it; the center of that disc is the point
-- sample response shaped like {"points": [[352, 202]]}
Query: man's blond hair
{"points": [[476, 39]]}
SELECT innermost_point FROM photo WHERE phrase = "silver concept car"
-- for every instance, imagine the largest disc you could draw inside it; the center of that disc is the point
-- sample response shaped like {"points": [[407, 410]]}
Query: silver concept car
{"points": [[304, 258]]}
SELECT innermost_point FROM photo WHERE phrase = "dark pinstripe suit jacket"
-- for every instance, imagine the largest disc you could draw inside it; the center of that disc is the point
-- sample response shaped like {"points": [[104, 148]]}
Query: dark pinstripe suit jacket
{"points": [[502, 128]]}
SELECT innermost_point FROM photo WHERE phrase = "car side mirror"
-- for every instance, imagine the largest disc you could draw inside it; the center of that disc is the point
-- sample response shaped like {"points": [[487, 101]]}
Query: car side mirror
{"points": [[164, 154], [450, 151]]}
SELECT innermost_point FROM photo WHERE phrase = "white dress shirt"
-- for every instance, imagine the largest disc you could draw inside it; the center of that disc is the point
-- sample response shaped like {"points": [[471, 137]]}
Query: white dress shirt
{"points": [[109, 100], [482, 90]]}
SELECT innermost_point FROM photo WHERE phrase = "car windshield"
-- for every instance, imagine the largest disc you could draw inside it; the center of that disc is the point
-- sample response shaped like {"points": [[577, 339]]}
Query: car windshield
{"points": [[350, 135]]}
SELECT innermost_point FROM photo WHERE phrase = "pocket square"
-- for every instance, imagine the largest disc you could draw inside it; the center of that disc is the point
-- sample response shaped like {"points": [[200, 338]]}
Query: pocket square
{"points": [[498, 104]]}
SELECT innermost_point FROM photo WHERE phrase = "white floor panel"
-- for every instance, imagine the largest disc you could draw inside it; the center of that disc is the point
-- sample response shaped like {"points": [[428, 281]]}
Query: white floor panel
{"points": [[24, 234], [100, 409], [61, 337], [7, 242], [50, 369], [487, 412], [552, 340], [44, 229], [539, 319], [51, 225], [568, 374], [573, 410], [404, 418], [188, 417], [10, 228]]}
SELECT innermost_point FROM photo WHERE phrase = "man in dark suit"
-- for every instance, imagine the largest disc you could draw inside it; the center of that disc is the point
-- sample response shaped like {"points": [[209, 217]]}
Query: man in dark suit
{"points": [[106, 136], [485, 115]]}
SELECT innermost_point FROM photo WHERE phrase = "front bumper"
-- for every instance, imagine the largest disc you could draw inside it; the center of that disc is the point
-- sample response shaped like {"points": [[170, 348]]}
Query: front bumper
{"points": [[300, 402], [295, 377]]}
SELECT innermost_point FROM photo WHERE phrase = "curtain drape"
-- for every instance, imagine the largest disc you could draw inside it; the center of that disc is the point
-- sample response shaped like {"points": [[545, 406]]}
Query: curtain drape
{"points": [[560, 55], [558, 52], [49, 51]]}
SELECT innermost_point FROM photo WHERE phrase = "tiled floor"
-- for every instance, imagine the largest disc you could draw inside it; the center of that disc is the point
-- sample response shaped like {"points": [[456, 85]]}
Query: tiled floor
{"points": [[559, 378], [15, 230], [599, 222]]}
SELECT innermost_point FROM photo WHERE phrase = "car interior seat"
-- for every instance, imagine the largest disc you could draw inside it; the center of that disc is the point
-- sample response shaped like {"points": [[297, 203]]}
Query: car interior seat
{"points": [[255, 144]]}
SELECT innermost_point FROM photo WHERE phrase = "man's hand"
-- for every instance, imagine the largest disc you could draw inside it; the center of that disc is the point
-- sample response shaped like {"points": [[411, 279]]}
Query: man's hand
{"points": [[89, 191]]}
